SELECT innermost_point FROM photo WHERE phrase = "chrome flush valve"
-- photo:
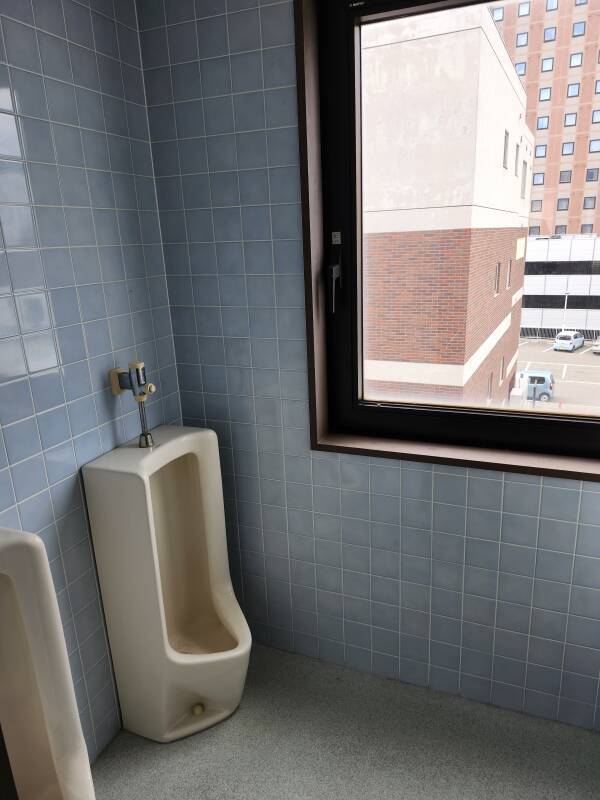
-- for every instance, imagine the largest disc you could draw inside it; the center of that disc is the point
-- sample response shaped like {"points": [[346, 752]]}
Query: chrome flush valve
{"points": [[134, 379]]}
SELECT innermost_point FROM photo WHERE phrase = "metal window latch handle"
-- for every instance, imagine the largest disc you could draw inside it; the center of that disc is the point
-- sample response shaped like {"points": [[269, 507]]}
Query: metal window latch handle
{"points": [[334, 271]]}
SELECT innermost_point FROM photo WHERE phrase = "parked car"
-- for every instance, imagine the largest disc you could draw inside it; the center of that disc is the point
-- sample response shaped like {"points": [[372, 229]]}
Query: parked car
{"points": [[540, 385], [569, 340]]}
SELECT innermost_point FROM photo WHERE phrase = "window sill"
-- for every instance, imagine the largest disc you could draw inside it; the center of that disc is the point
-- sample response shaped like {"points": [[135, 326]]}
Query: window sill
{"points": [[480, 458]]}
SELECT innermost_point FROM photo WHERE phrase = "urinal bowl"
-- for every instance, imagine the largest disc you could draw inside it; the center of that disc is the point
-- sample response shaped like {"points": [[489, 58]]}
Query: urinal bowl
{"points": [[38, 711], [179, 640]]}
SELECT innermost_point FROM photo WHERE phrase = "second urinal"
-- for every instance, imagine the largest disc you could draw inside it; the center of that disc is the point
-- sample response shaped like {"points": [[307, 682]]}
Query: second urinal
{"points": [[179, 640]]}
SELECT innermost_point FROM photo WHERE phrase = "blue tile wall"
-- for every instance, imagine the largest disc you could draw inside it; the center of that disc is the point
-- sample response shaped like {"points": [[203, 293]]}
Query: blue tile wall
{"points": [[82, 289], [473, 582]]}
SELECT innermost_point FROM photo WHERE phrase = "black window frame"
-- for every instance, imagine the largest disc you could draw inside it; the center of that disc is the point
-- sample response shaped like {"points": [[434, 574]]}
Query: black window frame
{"points": [[339, 413]]}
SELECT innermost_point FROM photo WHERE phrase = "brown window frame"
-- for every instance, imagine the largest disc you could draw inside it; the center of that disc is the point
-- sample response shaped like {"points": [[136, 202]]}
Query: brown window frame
{"points": [[517, 441]]}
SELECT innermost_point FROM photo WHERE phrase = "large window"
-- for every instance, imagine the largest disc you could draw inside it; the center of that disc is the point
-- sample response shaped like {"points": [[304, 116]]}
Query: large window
{"points": [[426, 335]]}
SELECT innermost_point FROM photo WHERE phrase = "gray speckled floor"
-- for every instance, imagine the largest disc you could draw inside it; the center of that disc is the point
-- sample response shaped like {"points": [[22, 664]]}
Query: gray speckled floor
{"points": [[308, 730]]}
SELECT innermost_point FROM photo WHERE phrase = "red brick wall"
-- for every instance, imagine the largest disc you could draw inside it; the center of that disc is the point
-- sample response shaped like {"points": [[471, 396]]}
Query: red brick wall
{"points": [[429, 297]]}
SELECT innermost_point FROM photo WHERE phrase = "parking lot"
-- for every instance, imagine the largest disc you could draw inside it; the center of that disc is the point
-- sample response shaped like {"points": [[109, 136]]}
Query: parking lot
{"points": [[576, 375]]}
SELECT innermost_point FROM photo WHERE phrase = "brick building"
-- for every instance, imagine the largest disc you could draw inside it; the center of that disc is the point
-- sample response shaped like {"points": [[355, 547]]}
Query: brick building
{"points": [[554, 45], [446, 174]]}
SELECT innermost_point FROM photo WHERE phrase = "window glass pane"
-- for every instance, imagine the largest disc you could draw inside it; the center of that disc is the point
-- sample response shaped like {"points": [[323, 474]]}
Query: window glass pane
{"points": [[545, 93], [597, 87], [524, 9], [437, 306], [578, 28], [573, 90], [589, 202], [568, 148], [596, 115], [498, 14], [587, 228], [562, 204], [538, 178], [564, 176], [521, 67], [551, 5], [560, 230], [549, 34], [540, 150], [536, 205], [534, 230], [570, 120], [594, 145], [547, 64], [542, 123], [522, 39], [591, 174], [576, 59]]}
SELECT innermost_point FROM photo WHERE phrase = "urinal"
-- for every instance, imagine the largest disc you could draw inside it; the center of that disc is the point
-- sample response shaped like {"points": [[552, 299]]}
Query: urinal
{"points": [[179, 641], [38, 712]]}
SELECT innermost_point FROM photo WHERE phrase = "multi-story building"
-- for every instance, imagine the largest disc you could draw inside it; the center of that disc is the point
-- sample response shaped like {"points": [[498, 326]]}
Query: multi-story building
{"points": [[445, 208], [554, 46]]}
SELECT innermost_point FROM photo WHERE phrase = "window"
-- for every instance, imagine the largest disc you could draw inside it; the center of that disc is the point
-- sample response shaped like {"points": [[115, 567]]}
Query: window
{"points": [[560, 230], [534, 230], [542, 123], [545, 93], [388, 354], [498, 14], [576, 60], [594, 146], [501, 369], [596, 115], [578, 28], [536, 205], [551, 5], [562, 204], [521, 67], [573, 90], [570, 120], [587, 228], [509, 273], [568, 148], [589, 202], [547, 64], [522, 39], [517, 150], [549, 34], [540, 150], [524, 9], [564, 176], [597, 87], [581, 2], [591, 174]]}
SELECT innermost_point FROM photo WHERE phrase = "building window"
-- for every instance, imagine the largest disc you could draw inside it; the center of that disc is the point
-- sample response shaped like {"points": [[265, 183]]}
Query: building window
{"points": [[547, 64], [562, 204], [545, 93], [564, 176], [517, 150], [523, 178], [568, 148], [591, 174], [534, 230], [576, 60], [536, 205], [524, 9], [589, 202], [596, 115], [587, 228], [560, 230], [542, 123], [573, 90], [597, 87], [522, 39], [594, 146], [498, 14], [538, 178], [501, 369], [540, 150], [549, 34], [505, 153], [497, 278], [581, 2], [578, 29], [521, 68], [570, 120], [551, 5], [509, 273]]}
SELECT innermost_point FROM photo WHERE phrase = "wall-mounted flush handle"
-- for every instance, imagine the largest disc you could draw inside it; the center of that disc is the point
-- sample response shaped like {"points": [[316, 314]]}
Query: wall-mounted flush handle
{"points": [[134, 380]]}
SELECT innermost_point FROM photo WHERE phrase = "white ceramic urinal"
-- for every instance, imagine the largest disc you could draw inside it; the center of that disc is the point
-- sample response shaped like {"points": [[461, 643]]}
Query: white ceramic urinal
{"points": [[38, 712], [179, 641]]}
